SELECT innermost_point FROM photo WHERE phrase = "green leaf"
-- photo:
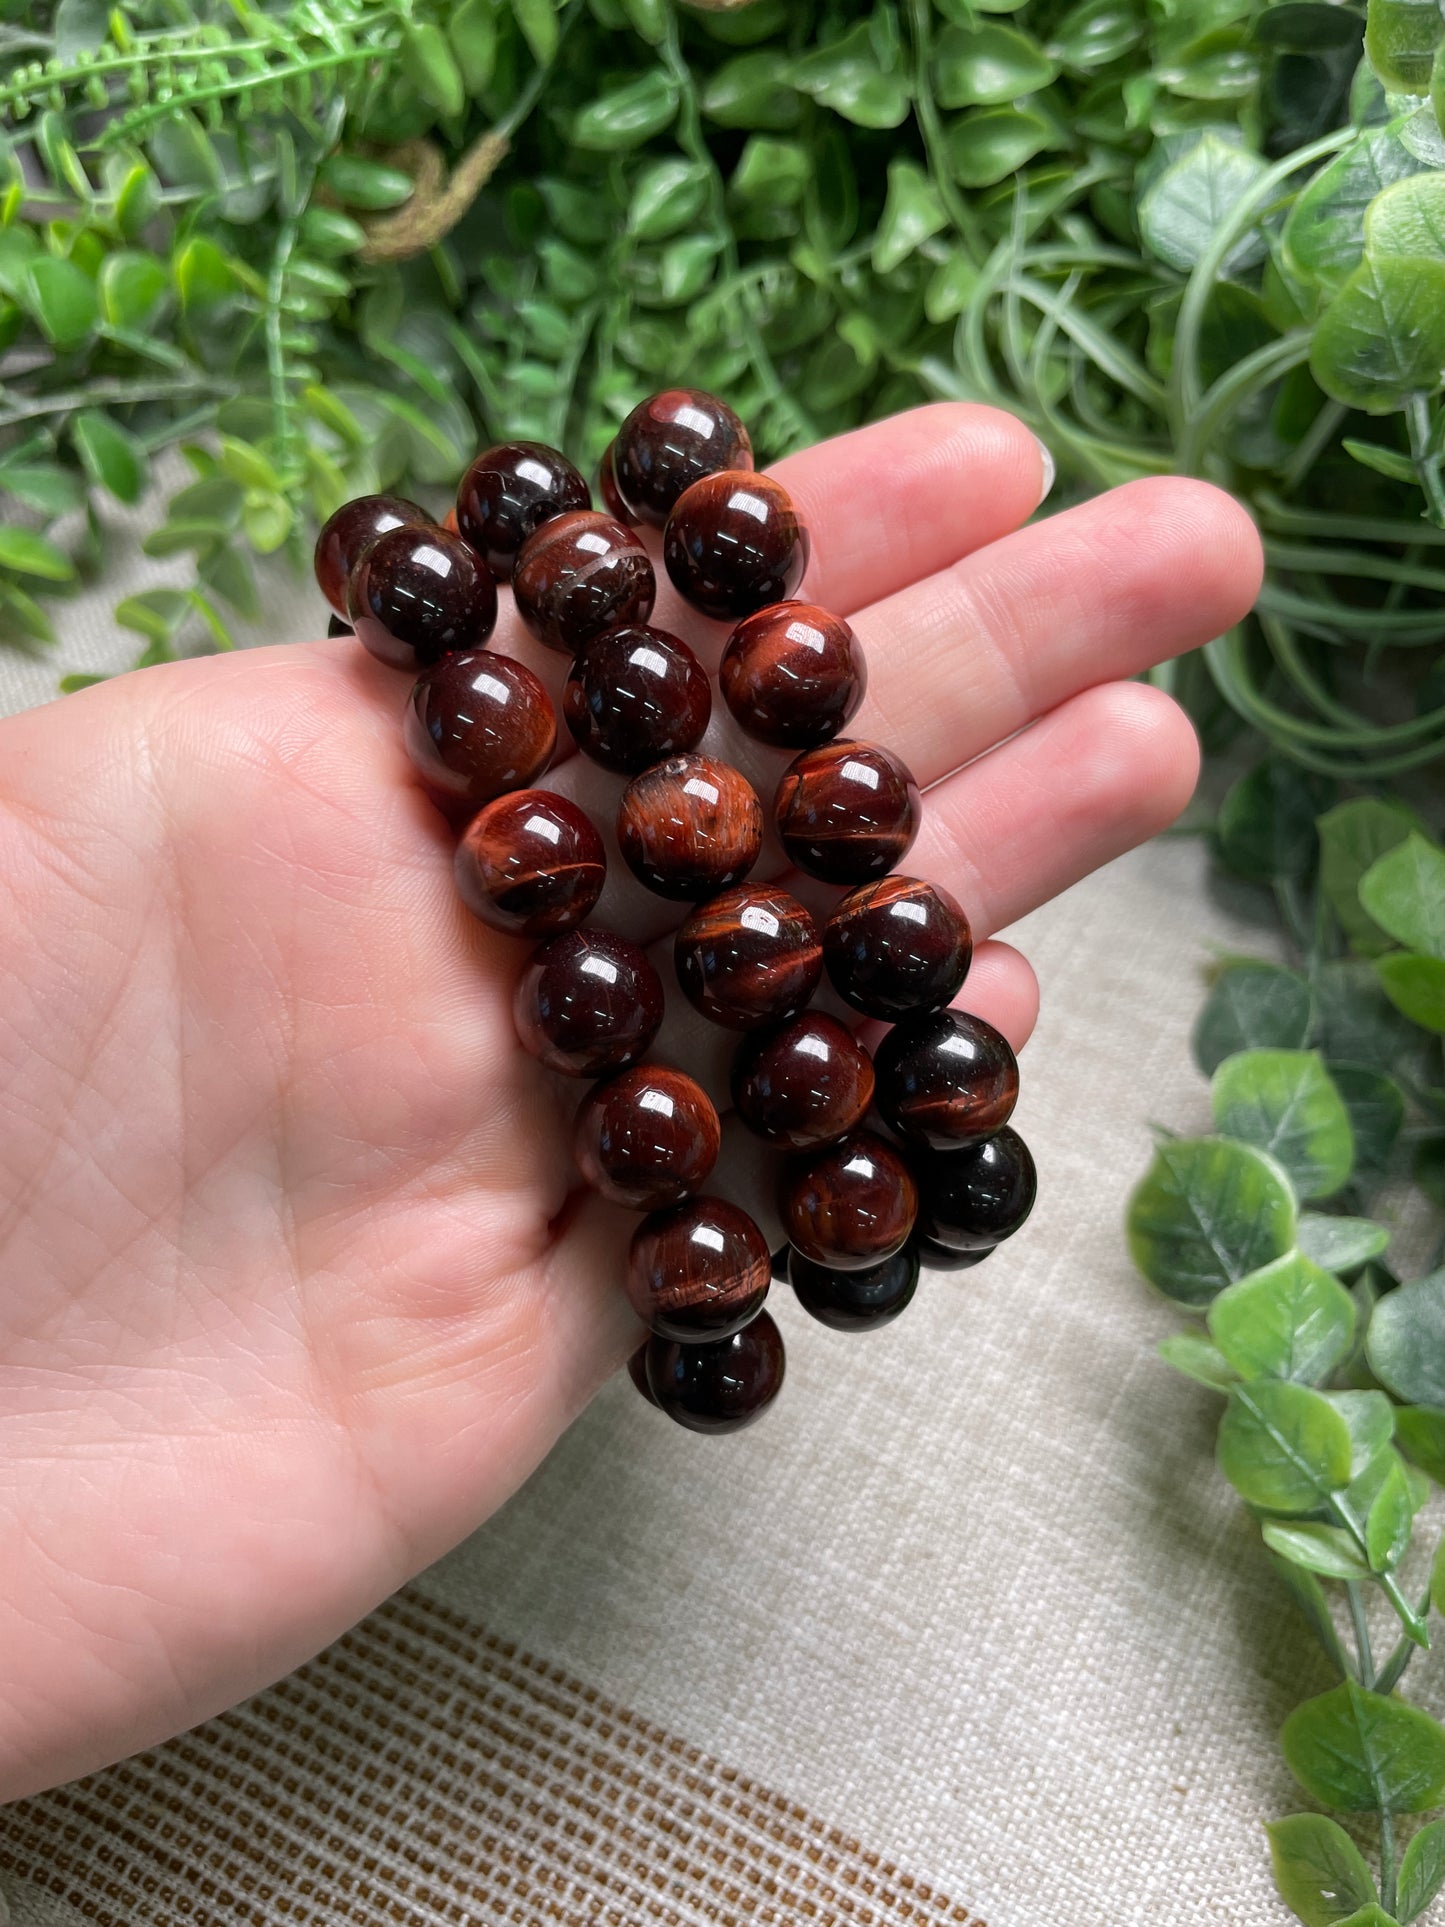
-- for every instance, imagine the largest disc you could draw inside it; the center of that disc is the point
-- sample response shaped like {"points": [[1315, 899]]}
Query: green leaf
{"points": [[204, 276], [1324, 236], [1266, 824], [1353, 837], [1359, 1751], [847, 76], [1421, 1431], [180, 535], [752, 91], [1309, 1595], [472, 29], [1194, 1355], [1189, 202], [133, 288], [538, 21], [30, 554], [62, 299], [1384, 461], [1327, 1550], [1400, 41], [1409, 218], [1437, 1578], [113, 458], [1283, 1102], [1356, 1022], [430, 65], [670, 194], [1340, 1244], [986, 65], [155, 613], [1208, 1212], [1289, 1319], [1404, 892], [137, 200], [1096, 33], [1382, 339], [628, 115], [1370, 1421], [1320, 1872], [912, 213], [1416, 987], [1422, 1872], [991, 143], [1406, 1341], [1252, 1006], [43, 486], [1283, 1446], [1387, 1528], [357, 181]]}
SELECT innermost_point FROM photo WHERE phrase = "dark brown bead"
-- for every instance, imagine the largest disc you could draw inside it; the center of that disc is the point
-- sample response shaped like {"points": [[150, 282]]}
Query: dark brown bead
{"points": [[336, 627], [531, 864], [734, 543], [896, 946], [973, 1198], [689, 827], [509, 492], [669, 442], [607, 487], [418, 595], [349, 533], [750, 956], [588, 1002], [803, 1083], [936, 1257], [722, 1386], [646, 1138], [700, 1269], [847, 811], [479, 724], [793, 674], [945, 1078], [856, 1301], [580, 575], [849, 1206], [637, 1372], [634, 696]]}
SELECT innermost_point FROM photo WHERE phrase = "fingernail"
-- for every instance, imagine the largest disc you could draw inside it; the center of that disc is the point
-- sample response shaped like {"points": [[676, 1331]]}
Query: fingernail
{"points": [[1050, 471]]}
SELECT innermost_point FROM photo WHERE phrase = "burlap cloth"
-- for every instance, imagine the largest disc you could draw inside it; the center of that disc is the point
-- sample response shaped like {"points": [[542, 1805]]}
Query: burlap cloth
{"points": [[968, 1629]]}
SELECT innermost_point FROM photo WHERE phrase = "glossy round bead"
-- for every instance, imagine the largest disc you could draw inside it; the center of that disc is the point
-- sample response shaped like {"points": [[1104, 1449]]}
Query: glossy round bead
{"points": [[793, 674], [749, 956], [579, 575], [689, 827], [936, 1257], [637, 1372], [896, 946], [849, 1206], [802, 1083], [349, 533], [634, 696], [530, 863], [511, 490], [607, 487], [722, 1386], [669, 442], [856, 1301], [698, 1270], [588, 1002], [734, 543], [646, 1138], [847, 811], [945, 1078], [478, 724], [973, 1198], [418, 595]]}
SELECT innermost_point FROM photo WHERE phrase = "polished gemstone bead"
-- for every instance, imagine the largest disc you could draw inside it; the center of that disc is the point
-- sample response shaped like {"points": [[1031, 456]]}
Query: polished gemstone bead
{"points": [[945, 1078], [849, 1206], [973, 1198], [936, 1257], [847, 811], [511, 490], [417, 595], [530, 863], [478, 724], [721, 1386], [669, 442], [856, 1301], [580, 574], [803, 1083], [749, 956], [734, 543], [607, 487], [588, 1002], [689, 827], [349, 533], [634, 696], [793, 674], [700, 1269], [646, 1138], [637, 1372], [896, 946], [336, 627]]}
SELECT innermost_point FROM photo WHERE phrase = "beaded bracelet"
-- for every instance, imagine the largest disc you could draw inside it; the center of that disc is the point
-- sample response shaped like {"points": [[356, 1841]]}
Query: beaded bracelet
{"points": [[939, 1178]]}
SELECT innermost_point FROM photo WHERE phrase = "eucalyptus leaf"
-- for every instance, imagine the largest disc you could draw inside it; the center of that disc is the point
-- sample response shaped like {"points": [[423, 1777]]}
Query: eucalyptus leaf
{"points": [[1421, 1432], [1382, 339], [1326, 1550], [1415, 986], [1409, 218], [1200, 1359], [1252, 1006], [1357, 1751], [1283, 1102], [1406, 1341], [1283, 1446], [1324, 236], [1421, 1873], [1290, 1319], [1404, 892], [1400, 40], [1207, 1213], [1189, 202], [1370, 1421], [1352, 837], [1391, 1516], [1266, 826], [1340, 1244], [1320, 1872]]}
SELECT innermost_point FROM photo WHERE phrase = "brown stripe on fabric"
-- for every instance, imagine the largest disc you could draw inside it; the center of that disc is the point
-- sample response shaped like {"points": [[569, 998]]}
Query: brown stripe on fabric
{"points": [[426, 1772]]}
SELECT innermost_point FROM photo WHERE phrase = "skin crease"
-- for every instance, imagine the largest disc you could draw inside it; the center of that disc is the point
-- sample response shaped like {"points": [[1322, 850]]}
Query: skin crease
{"points": [[295, 1287]]}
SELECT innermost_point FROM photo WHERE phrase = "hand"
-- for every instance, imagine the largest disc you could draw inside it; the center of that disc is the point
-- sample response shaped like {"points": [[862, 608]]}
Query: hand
{"points": [[295, 1288]]}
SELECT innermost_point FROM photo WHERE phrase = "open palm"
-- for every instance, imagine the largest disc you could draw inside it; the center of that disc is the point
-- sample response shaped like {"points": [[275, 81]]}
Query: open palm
{"points": [[296, 1284]]}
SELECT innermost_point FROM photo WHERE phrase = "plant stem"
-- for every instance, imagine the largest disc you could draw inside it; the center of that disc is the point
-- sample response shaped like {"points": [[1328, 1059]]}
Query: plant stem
{"points": [[1387, 1860], [1361, 1625], [1417, 415]]}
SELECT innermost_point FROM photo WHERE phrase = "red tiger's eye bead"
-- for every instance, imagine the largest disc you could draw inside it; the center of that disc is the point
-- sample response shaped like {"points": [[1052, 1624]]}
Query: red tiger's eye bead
{"points": [[945, 1078], [349, 533], [530, 863], [804, 1083], [749, 956], [849, 1206], [720, 1386], [634, 696], [588, 1002], [847, 811], [734, 543], [511, 490], [856, 1301], [700, 1269], [579, 575], [478, 724], [669, 442], [793, 674], [897, 945], [607, 486], [689, 827], [417, 595], [975, 1197], [646, 1138]]}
